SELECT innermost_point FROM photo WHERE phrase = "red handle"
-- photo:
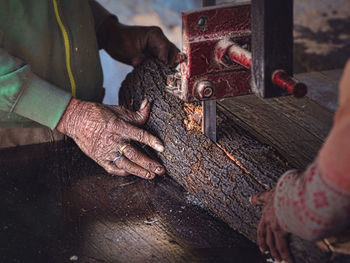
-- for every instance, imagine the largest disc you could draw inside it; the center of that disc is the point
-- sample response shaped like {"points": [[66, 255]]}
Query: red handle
{"points": [[243, 57]]}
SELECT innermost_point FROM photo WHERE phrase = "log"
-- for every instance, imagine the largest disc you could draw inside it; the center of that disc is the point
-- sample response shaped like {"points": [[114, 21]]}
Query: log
{"points": [[221, 175]]}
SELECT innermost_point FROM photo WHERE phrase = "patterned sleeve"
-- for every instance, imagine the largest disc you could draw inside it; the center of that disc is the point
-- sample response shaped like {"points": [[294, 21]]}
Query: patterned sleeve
{"points": [[311, 206]]}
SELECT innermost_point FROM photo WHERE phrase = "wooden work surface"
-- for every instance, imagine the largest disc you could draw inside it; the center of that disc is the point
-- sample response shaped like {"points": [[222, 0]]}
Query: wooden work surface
{"points": [[296, 128], [56, 203]]}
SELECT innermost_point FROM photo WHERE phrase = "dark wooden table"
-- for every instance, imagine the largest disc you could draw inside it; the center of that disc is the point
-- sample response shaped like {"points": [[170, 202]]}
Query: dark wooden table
{"points": [[58, 206]]}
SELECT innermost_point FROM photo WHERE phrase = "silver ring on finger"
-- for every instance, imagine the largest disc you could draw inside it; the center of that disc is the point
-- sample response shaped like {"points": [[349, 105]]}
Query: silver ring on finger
{"points": [[119, 155]]}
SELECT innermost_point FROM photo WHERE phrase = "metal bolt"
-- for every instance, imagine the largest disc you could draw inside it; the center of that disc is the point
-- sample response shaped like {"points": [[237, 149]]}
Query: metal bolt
{"points": [[208, 91], [202, 23], [204, 89]]}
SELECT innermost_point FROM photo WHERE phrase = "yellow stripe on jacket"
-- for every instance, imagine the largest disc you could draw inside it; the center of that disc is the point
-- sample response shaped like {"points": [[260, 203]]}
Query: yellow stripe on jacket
{"points": [[67, 48]]}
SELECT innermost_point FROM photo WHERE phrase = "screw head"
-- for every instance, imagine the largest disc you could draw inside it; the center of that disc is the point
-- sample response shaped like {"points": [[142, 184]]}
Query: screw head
{"points": [[204, 90], [208, 91], [202, 23]]}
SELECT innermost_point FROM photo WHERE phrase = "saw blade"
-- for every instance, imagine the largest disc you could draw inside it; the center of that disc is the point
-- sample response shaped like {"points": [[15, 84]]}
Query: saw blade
{"points": [[209, 106], [209, 119]]}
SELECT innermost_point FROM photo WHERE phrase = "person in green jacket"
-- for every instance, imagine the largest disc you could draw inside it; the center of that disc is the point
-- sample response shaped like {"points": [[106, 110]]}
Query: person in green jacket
{"points": [[51, 80]]}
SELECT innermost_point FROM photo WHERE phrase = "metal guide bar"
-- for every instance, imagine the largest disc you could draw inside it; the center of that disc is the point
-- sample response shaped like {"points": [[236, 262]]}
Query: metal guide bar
{"points": [[209, 106]]}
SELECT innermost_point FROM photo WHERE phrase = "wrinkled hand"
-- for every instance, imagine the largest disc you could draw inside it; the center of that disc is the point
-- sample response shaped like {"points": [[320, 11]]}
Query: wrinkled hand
{"points": [[100, 131], [132, 44], [270, 236]]}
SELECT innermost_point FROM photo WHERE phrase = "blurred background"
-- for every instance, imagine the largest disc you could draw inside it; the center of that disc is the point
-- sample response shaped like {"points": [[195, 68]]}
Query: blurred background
{"points": [[321, 33]]}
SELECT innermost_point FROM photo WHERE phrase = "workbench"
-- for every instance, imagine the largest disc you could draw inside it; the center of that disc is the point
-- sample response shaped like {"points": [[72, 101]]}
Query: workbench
{"points": [[296, 127], [57, 205]]}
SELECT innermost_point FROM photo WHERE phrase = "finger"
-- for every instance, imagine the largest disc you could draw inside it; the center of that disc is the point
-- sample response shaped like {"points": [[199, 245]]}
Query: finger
{"points": [[270, 241], [140, 135], [282, 246], [132, 168], [172, 57], [112, 169], [158, 44], [163, 53], [139, 117], [261, 237], [144, 110], [143, 160], [260, 198]]}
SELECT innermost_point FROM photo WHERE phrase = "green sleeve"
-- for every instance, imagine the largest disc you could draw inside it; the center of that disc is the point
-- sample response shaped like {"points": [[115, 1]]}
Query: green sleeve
{"points": [[24, 93]]}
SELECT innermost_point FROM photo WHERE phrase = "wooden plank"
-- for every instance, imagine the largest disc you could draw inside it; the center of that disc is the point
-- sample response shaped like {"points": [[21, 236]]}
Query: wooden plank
{"points": [[307, 114], [333, 75], [295, 127], [321, 89], [275, 127], [56, 203]]}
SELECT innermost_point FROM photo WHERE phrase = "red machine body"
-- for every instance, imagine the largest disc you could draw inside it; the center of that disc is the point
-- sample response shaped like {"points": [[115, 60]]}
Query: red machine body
{"points": [[202, 76], [215, 60]]}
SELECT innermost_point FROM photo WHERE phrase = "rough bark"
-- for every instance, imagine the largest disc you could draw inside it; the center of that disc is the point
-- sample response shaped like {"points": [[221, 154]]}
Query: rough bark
{"points": [[223, 175]]}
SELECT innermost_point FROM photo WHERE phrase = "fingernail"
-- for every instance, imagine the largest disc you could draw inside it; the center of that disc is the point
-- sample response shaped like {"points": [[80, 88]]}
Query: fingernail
{"points": [[148, 175], [143, 104], [266, 252], [159, 170], [250, 199], [159, 147], [283, 261]]}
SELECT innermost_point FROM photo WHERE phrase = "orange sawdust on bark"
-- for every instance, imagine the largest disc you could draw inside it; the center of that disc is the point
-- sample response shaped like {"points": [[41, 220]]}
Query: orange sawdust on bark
{"points": [[193, 120], [233, 159]]}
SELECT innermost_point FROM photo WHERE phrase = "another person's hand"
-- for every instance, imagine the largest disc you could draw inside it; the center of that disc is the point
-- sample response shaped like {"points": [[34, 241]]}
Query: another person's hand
{"points": [[101, 131], [132, 44], [270, 236]]}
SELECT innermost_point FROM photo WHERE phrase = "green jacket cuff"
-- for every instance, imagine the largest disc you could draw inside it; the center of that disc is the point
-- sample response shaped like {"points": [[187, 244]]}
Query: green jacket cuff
{"points": [[39, 100]]}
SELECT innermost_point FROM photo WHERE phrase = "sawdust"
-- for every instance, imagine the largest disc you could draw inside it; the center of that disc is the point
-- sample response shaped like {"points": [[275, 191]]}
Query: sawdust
{"points": [[230, 156], [234, 160], [193, 120]]}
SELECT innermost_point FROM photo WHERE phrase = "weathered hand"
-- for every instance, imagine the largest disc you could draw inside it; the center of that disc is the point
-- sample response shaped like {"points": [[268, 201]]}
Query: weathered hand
{"points": [[132, 44], [270, 236], [100, 131]]}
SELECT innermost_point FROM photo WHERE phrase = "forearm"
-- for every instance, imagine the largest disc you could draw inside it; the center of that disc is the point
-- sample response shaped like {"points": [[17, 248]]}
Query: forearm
{"points": [[100, 13], [133, 44], [316, 203], [102, 19], [65, 125], [310, 205], [24, 93]]}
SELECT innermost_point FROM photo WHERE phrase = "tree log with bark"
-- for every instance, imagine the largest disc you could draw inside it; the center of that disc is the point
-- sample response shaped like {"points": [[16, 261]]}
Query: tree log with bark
{"points": [[221, 175]]}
